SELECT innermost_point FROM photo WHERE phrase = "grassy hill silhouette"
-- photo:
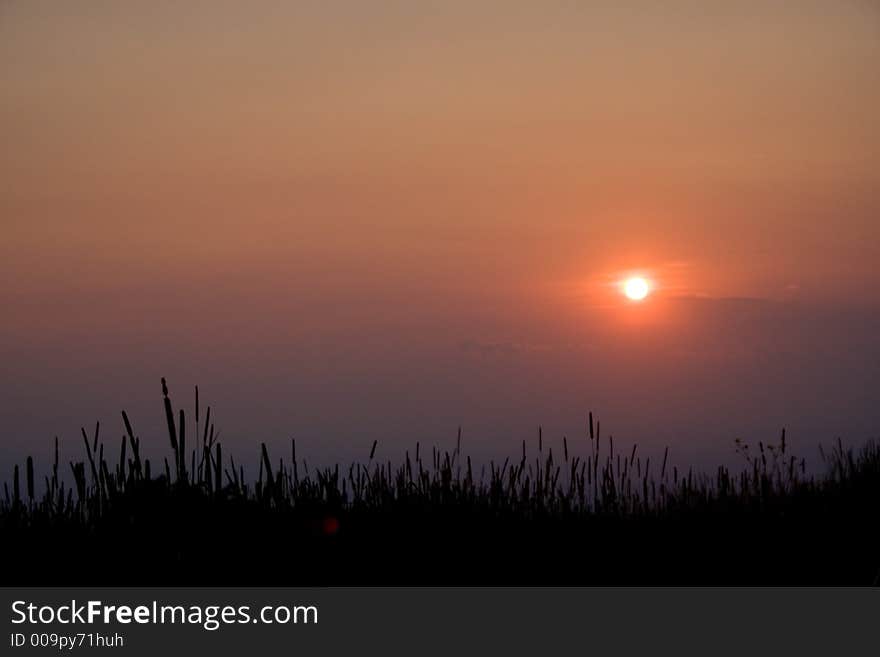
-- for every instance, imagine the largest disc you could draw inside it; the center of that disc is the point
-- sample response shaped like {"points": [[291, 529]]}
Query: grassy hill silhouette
{"points": [[604, 517]]}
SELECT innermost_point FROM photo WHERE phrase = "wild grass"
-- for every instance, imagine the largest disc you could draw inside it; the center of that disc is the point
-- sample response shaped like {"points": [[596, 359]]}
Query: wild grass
{"points": [[590, 491]]}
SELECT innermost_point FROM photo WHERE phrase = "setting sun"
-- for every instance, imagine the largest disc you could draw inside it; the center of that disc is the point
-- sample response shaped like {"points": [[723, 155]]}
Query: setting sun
{"points": [[636, 288]]}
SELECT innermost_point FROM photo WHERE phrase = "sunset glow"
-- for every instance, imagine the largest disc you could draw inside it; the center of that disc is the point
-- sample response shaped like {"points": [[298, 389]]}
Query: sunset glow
{"points": [[355, 221]]}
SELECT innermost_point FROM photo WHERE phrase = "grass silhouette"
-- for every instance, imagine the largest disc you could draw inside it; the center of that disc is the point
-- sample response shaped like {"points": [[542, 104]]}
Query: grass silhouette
{"points": [[604, 517]]}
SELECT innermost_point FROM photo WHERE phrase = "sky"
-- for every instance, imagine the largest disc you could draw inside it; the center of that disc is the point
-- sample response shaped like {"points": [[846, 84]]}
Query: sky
{"points": [[350, 221]]}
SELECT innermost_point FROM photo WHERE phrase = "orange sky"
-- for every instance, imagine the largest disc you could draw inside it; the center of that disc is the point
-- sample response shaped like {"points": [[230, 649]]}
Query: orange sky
{"points": [[428, 174]]}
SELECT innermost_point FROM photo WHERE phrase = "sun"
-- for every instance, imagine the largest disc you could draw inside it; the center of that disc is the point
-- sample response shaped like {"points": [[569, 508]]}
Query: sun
{"points": [[636, 288]]}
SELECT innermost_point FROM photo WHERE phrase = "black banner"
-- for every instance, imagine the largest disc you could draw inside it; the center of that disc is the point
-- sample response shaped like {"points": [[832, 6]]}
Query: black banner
{"points": [[231, 621]]}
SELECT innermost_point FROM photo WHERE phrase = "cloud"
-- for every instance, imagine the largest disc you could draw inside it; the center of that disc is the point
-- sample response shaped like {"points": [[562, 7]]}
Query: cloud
{"points": [[499, 349]]}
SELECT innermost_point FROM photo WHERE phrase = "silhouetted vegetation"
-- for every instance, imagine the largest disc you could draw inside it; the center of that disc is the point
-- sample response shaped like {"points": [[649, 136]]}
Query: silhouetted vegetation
{"points": [[603, 516]]}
